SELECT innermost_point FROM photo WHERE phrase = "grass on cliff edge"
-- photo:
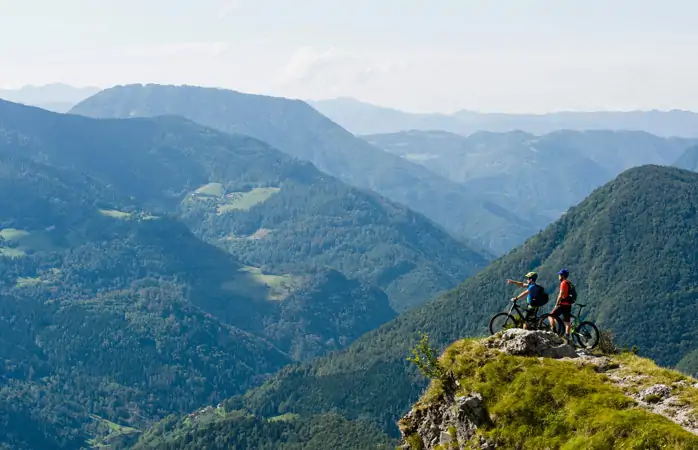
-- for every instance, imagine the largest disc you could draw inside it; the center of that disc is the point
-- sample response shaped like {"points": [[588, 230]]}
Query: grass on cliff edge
{"points": [[541, 403]]}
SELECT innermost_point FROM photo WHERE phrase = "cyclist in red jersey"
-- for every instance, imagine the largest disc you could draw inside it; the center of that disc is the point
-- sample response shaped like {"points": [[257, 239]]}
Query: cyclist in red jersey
{"points": [[563, 306]]}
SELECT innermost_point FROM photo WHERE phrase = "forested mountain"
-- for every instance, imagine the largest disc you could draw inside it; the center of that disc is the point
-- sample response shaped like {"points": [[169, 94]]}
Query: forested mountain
{"points": [[100, 323], [299, 130], [539, 177], [365, 118], [688, 159], [115, 315], [271, 210], [630, 247]]}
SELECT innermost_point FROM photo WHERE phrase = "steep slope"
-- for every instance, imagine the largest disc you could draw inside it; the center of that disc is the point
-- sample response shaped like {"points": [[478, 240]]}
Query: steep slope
{"points": [[539, 175], [688, 159], [269, 209], [299, 130], [630, 247], [100, 317], [528, 390], [365, 118]]}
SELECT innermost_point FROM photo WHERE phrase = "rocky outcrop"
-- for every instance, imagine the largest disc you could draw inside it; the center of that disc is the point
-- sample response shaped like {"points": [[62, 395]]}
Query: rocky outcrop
{"points": [[446, 424], [452, 421], [451, 415], [519, 342]]}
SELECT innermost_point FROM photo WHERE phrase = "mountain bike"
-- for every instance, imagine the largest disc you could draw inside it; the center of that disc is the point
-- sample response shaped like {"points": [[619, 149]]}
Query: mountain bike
{"points": [[506, 320], [584, 333]]}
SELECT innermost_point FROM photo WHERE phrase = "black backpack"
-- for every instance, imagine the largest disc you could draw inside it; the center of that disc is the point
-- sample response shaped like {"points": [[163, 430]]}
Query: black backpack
{"points": [[571, 293], [541, 297]]}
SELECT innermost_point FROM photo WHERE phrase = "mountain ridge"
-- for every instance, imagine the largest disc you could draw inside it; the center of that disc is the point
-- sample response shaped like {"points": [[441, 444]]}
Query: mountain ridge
{"points": [[175, 166], [365, 118], [297, 129], [538, 176]]}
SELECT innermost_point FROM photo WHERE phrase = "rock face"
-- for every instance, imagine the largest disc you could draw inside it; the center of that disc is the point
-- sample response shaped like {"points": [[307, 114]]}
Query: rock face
{"points": [[655, 393], [447, 422], [519, 342]]}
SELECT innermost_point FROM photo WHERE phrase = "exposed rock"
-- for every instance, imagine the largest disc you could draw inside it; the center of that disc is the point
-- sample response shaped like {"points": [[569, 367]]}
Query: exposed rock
{"points": [[446, 421], [600, 364], [519, 342], [657, 392]]}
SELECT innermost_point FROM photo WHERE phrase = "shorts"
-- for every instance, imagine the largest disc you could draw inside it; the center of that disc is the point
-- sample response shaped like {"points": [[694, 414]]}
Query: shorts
{"points": [[562, 310], [531, 312]]}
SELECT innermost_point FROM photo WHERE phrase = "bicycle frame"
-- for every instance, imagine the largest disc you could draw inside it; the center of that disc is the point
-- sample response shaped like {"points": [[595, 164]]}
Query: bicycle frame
{"points": [[519, 311], [576, 320]]}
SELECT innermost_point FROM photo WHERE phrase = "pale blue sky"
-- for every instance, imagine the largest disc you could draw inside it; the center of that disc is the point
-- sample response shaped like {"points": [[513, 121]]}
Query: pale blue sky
{"points": [[438, 55]]}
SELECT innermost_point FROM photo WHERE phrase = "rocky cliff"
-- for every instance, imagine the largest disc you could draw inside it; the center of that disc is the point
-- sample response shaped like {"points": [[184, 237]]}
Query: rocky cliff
{"points": [[530, 390]]}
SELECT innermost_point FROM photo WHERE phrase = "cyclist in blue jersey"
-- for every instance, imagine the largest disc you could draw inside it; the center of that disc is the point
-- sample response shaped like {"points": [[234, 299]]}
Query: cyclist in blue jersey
{"points": [[530, 293]]}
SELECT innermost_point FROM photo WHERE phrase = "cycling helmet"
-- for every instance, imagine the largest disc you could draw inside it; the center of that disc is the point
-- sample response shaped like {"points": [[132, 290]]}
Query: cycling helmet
{"points": [[564, 272], [532, 275]]}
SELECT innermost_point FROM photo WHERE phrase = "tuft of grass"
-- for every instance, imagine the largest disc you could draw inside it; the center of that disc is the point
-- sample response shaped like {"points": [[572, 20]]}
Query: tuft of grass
{"points": [[653, 398], [636, 365], [415, 442]]}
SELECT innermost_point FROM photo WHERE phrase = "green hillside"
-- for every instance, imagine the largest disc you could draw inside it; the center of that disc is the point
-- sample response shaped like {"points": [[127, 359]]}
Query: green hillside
{"points": [[297, 129], [272, 211], [103, 330], [630, 248]]}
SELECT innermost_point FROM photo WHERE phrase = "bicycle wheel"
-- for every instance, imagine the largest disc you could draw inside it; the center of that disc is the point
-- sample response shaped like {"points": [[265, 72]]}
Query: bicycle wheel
{"points": [[586, 335], [544, 324], [502, 321]]}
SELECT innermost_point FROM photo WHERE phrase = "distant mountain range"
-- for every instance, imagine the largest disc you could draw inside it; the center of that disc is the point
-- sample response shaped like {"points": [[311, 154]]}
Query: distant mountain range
{"points": [[57, 97], [364, 118], [537, 177], [295, 128]]}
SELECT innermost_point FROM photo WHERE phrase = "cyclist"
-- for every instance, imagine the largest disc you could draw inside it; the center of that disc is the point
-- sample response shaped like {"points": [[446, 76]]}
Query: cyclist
{"points": [[530, 293], [563, 305]]}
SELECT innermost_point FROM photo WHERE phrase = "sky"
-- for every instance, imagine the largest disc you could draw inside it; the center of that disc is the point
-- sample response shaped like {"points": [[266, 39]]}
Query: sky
{"points": [[415, 55]]}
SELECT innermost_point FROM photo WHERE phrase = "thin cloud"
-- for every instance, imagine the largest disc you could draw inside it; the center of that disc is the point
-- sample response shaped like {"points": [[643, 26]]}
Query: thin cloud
{"points": [[227, 7], [332, 65]]}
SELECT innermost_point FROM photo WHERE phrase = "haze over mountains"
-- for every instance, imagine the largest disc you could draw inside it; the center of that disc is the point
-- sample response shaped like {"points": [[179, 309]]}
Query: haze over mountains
{"points": [[538, 177], [364, 118], [57, 97]]}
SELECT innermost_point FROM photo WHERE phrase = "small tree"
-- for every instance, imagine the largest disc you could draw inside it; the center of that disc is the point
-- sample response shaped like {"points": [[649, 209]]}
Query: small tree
{"points": [[606, 343], [424, 357]]}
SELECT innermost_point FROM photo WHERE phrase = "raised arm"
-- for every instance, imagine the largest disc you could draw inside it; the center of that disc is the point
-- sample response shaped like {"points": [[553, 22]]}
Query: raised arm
{"points": [[518, 283]]}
